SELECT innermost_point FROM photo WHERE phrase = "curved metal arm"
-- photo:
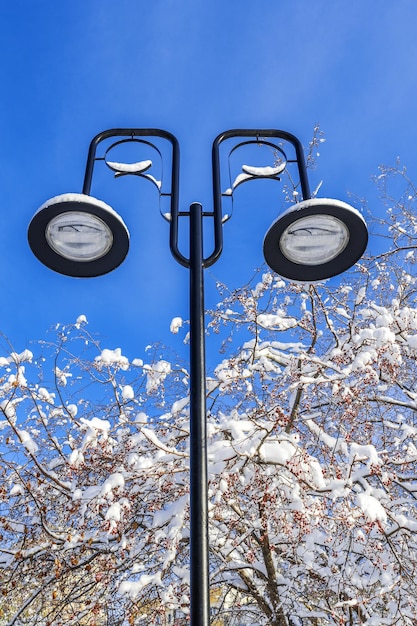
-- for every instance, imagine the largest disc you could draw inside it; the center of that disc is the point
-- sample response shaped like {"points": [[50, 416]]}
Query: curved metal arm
{"points": [[255, 133], [216, 214], [174, 190]]}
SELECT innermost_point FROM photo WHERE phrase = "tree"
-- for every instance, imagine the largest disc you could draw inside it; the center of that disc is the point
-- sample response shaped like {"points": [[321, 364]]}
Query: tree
{"points": [[312, 447]]}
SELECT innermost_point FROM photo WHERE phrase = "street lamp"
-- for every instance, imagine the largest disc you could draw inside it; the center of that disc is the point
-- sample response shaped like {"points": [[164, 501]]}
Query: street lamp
{"points": [[78, 235]]}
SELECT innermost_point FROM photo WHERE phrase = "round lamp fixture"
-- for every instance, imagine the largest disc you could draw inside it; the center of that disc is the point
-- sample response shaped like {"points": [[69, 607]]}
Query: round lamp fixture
{"points": [[315, 239], [77, 235]]}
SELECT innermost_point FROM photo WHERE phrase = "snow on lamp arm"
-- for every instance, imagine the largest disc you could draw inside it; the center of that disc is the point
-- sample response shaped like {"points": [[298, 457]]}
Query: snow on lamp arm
{"points": [[138, 168], [250, 172], [129, 168]]}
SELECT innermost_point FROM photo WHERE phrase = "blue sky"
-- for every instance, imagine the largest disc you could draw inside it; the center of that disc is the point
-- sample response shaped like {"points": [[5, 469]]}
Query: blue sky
{"points": [[71, 69]]}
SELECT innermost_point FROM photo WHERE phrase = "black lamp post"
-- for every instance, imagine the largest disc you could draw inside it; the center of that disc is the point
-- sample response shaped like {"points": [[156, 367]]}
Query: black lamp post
{"points": [[77, 235]]}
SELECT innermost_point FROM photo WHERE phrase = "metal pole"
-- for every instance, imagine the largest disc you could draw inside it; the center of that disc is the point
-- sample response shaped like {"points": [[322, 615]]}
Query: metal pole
{"points": [[199, 560]]}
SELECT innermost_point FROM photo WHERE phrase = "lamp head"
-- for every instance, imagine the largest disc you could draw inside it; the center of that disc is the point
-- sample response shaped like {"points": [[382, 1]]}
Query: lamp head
{"points": [[315, 239], [77, 235]]}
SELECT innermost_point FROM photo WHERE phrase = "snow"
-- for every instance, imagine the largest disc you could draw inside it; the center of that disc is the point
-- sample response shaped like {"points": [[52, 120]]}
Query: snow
{"points": [[9, 410], [45, 395], [62, 376], [360, 295], [97, 424], [94, 428], [79, 197], [176, 324], [317, 202], [133, 588], [18, 378], [250, 172], [72, 409], [28, 442], [313, 468], [412, 341], [364, 452], [159, 444], [158, 183], [343, 313], [25, 356], [156, 374], [307, 556], [81, 319], [264, 171], [183, 574], [179, 405], [270, 320], [173, 514], [139, 168], [114, 512], [131, 168], [336, 444], [239, 179], [76, 458], [16, 490], [277, 451], [371, 507], [127, 393], [113, 357]]}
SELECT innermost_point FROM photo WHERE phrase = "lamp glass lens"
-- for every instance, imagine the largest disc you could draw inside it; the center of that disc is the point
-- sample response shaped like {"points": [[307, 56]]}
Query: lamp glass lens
{"points": [[314, 240], [79, 236]]}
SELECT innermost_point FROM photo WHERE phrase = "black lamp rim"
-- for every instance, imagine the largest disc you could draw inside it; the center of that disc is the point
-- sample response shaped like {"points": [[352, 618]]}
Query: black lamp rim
{"points": [[351, 253], [81, 204]]}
